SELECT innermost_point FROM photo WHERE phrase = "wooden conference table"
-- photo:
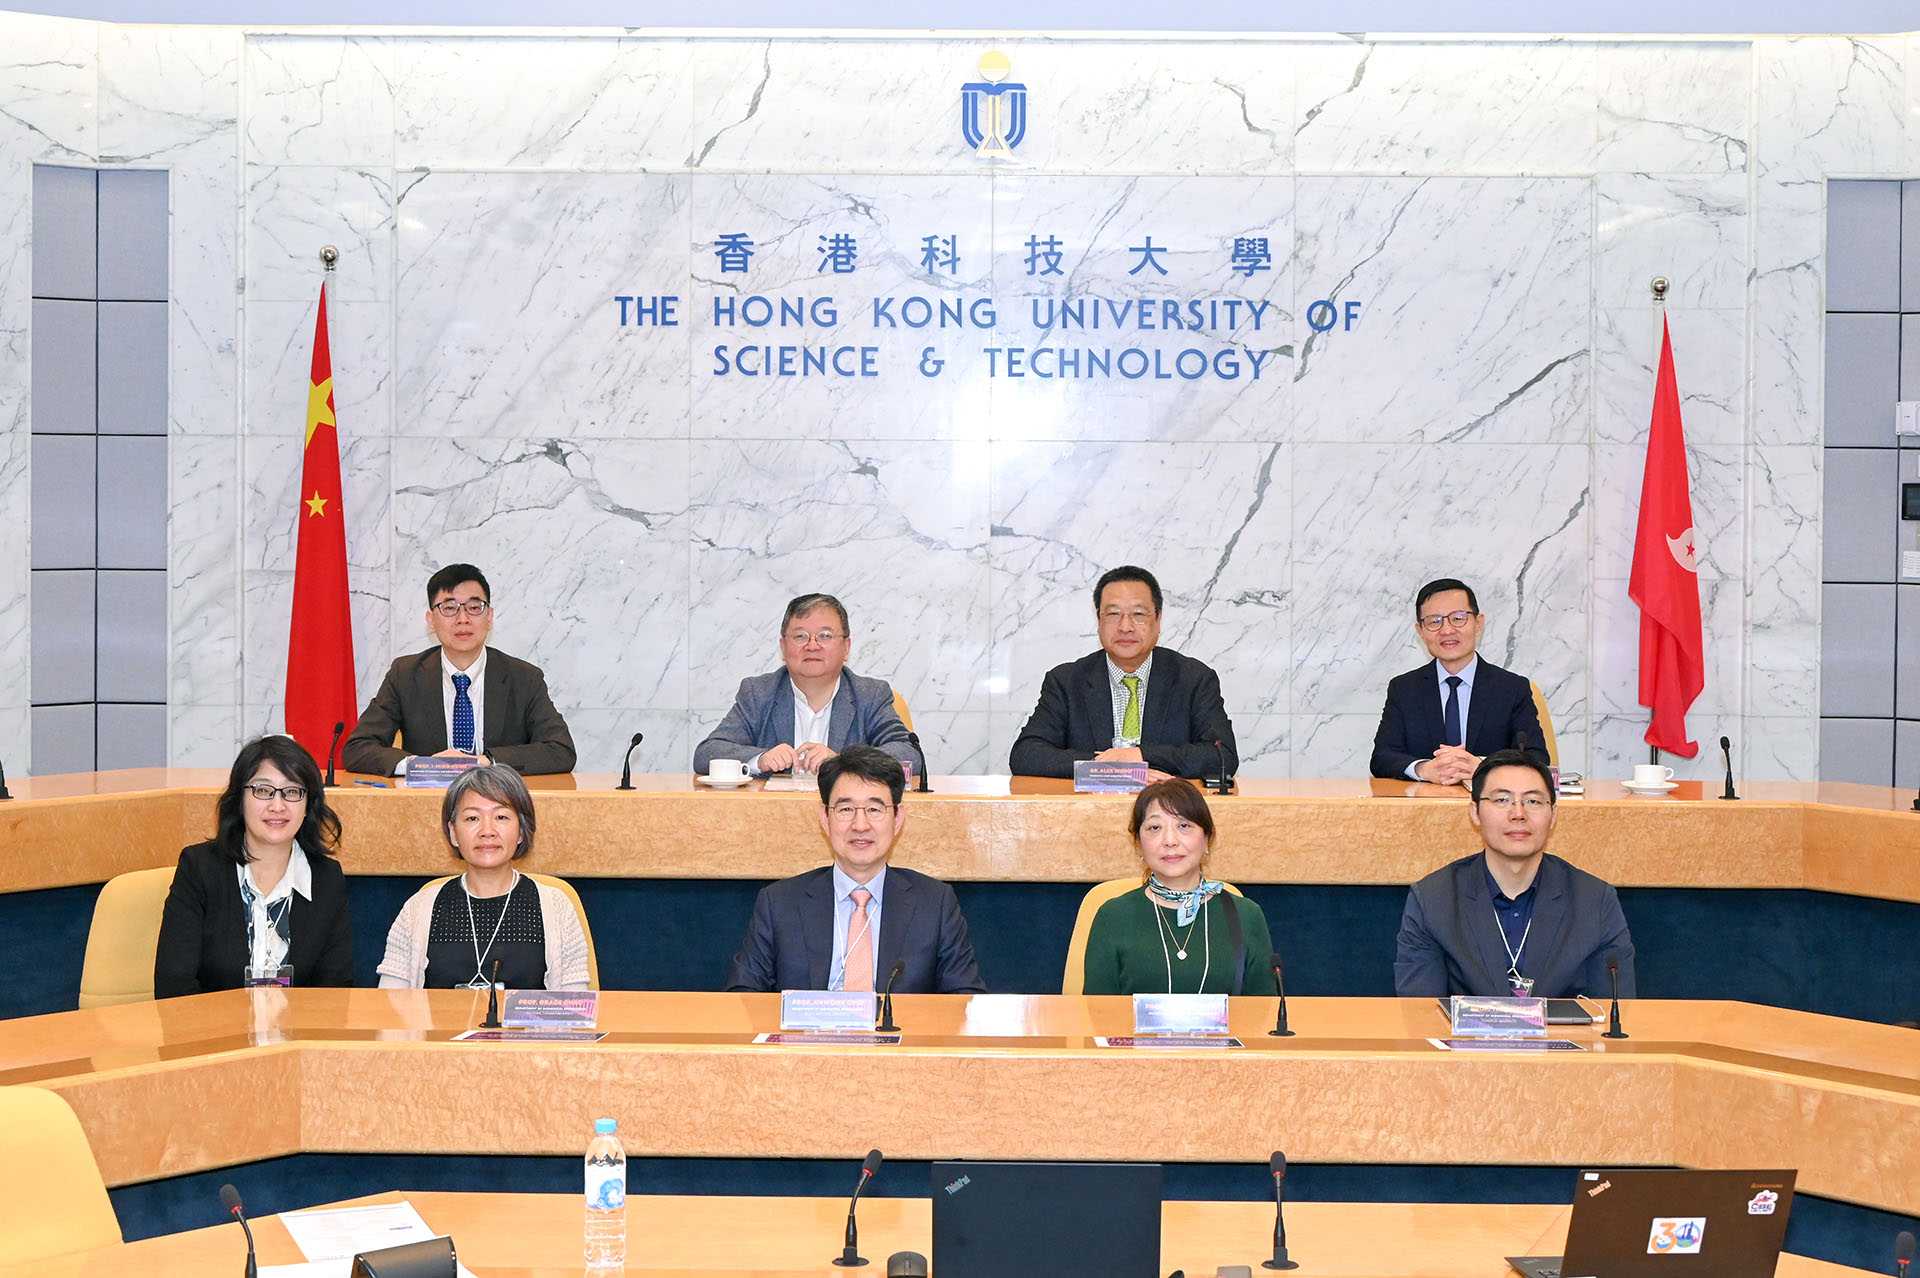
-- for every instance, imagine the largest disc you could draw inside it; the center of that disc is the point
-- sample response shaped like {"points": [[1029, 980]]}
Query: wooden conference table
{"points": [[196, 1083], [1859, 840], [538, 1236]]}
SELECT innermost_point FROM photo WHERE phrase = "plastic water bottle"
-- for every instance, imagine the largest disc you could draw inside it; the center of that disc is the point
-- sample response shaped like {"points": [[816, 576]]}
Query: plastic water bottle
{"points": [[606, 1196]]}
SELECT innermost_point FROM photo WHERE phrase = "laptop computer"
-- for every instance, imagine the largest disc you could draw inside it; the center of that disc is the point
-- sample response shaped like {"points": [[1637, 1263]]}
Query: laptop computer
{"points": [[1560, 1011], [1067, 1220], [1644, 1222]]}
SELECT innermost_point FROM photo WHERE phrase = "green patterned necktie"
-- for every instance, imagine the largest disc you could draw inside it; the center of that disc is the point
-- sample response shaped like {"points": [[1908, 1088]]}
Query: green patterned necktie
{"points": [[1130, 718]]}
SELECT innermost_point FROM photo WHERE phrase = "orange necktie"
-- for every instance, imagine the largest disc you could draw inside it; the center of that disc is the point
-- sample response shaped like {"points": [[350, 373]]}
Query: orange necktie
{"points": [[859, 968]]}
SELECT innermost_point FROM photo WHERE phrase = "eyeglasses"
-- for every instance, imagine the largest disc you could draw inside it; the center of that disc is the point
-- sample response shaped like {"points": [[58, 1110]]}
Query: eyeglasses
{"points": [[265, 793], [1530, 802], [821, 637], [844, 812], [1458, 620], [1113, 616], [453, 607]]}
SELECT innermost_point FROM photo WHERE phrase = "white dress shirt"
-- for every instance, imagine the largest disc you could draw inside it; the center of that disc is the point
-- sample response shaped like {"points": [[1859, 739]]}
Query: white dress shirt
{"points": [[269, 950], [475, 694], [1467, 672], [843, 908], [808, 724]]}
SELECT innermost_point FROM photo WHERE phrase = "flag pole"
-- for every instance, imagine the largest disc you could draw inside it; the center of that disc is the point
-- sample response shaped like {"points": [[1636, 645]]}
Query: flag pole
{"points": [[1659, 287]]}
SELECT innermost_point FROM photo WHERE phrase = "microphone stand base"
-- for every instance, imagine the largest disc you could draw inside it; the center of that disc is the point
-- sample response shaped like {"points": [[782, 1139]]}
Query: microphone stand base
{"points": [[1279, 1033], [1280, 1261], [1613, 1034], [849, 1261]]}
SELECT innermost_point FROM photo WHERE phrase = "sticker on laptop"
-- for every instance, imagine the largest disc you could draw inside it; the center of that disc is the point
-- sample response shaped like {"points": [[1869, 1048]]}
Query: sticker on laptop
{"points": [[1763, 1203], [1676, 1235]]}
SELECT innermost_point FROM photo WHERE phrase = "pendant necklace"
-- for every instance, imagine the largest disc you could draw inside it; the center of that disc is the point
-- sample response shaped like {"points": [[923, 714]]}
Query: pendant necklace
{"points": [[480, 981]]}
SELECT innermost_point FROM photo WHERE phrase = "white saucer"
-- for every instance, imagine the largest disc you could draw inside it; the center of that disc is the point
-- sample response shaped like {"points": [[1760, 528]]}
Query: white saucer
{"points": [[719, 784], [1658, 787]]}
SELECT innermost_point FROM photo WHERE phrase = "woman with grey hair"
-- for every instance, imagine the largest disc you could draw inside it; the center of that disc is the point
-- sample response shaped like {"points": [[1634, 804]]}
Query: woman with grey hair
{"points": [[452, 932]]}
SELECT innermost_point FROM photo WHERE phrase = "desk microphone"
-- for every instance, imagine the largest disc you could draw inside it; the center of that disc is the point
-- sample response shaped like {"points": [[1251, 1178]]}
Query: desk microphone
{"points": [[230, 1199], [1280, 1029], [4, 795], [920, 787], [626, 763], [1902, 1253], [493, 1000], [850, 1255], [1613, 1016], [886, 1004], [338, 728], [1726, 752], [1226, 782], [1278, 1166]]}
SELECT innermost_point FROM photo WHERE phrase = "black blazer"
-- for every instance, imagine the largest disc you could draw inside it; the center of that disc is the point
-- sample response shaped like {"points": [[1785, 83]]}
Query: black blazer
{"points": [[789, 942], [521, 727], [1074, 719], [1413, 725], [203, 929], [1450, 939]]}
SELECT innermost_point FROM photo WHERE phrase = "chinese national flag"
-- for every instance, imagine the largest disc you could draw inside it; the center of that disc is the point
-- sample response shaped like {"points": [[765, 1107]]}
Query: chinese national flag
{"points": [[320, 690], [1665, 581]]}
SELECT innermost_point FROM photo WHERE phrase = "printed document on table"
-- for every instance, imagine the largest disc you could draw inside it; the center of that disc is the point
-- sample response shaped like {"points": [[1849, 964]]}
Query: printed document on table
{"points": [[341, 1233]]}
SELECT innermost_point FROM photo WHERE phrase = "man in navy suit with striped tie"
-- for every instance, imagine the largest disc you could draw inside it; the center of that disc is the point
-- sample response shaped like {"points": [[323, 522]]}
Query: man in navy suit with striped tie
{"points": [[1441, 719]]}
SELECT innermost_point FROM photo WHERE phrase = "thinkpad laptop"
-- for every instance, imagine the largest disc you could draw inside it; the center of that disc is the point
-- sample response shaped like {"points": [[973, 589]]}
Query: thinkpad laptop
{"points": [[1661, 1223], [1067, 1220]]}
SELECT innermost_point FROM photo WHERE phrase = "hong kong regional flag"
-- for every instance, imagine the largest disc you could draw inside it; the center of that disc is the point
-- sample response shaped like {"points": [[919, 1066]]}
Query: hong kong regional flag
{"points": [[1665, 582], [320, 646]]}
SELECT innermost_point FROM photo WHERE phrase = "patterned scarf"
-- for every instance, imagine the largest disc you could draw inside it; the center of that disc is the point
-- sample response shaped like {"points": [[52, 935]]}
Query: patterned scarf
{"points": [[1187, 904]]}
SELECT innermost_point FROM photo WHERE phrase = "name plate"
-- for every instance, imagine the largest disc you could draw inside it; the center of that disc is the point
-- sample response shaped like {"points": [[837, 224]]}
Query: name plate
{"points": [[839, 1010], [1179, 1014], [544, 1009], [437, 774], [1169, 1040], [531, 1036], [1499, 1017], [1102, 776]]}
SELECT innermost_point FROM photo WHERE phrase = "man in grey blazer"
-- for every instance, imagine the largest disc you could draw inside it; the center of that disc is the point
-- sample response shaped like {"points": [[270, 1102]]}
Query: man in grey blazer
{"points": [[811, 708], [1512, 919], [460, 698]]}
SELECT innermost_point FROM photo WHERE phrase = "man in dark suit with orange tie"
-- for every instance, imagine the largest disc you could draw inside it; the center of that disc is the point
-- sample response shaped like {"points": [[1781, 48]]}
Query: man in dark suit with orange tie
{"points": [[844, 926], [460, 698], [1441, 719]]}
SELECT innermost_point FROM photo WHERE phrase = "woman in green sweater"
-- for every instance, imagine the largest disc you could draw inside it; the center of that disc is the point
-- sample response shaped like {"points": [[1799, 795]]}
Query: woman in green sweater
{"points": [[1178, 933]]}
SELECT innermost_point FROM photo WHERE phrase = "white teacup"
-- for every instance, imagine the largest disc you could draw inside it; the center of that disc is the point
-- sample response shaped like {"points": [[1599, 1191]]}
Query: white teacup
{"points": [[1651, 774], [726, 770]]}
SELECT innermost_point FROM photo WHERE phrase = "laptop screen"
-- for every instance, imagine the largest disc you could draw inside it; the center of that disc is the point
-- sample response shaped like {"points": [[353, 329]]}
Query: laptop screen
{"points": [[1068, 1220]]}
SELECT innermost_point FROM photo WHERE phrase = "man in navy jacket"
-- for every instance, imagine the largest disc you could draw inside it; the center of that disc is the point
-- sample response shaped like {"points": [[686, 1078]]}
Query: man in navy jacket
{"points": [[845, 925], [1441, 719]]}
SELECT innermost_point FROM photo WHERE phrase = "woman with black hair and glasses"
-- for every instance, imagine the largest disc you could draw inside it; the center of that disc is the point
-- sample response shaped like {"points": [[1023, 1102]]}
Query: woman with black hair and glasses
{"points": [[263, 902]]}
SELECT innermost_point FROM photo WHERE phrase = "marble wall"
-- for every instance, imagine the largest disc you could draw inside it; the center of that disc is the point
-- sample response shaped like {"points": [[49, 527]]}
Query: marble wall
{"points": [[1495, 207]]}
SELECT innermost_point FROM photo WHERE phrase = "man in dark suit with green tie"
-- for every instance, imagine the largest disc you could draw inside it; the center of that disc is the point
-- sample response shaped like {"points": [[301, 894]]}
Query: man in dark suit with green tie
{"points": [[1133, 701]]}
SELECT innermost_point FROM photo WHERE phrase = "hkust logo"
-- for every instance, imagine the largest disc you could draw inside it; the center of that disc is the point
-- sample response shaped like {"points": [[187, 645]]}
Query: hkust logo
{"points": [[993, 109]]}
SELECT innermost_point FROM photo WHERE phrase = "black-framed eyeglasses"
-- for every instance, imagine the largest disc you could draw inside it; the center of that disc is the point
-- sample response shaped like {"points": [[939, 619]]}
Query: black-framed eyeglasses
{"points": [[451, 608], [1458, 620], [265, 793]]}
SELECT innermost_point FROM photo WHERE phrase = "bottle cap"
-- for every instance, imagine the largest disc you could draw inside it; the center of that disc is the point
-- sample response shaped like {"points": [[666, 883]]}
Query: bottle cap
{"points": [[605, 1126]]}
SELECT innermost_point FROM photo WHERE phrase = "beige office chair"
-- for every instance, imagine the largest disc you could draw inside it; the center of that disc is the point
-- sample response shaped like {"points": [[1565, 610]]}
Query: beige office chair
{"points": [[1546, 724], [121, 942], [1073, 980], [900, 708], [52, 1199], [586, 929]]}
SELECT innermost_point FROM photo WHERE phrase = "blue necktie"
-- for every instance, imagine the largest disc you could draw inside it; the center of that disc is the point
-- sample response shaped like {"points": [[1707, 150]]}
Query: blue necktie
{"points": [[1454, 735], [463, 714]]}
